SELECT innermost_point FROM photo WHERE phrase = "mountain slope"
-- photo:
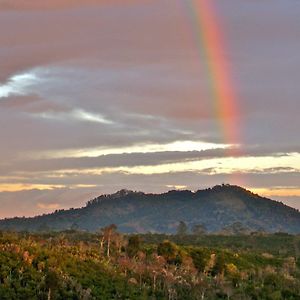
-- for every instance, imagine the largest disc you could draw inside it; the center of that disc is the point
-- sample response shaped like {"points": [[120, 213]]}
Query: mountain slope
{"points": [[216, 208]]}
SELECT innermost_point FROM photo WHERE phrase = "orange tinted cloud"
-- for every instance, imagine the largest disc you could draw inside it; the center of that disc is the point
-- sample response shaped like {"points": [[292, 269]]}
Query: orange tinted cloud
{"points": [[278, 191], [50, 206], [14, 187]]}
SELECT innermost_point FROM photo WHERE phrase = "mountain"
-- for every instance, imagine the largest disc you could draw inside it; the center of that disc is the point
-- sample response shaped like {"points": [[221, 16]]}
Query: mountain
{"points": [[222, 208]]}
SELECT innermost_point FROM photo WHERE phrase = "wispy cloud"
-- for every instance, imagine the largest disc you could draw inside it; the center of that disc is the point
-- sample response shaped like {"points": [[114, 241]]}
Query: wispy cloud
{"points": [[224, 165], [74, 115], [227, 165], [14, 187], [53, 4], [176, 146], [17, 84], [278, 191], [102, 92], [47, 206]]}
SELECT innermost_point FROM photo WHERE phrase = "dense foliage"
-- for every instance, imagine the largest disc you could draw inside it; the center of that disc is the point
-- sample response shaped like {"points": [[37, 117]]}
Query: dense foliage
{"points": [[109, 265]]}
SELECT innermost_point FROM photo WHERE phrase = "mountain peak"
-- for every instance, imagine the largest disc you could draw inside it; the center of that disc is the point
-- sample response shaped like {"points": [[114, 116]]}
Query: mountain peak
{"points": [[122, 193], [215, 208], [227, 186]]}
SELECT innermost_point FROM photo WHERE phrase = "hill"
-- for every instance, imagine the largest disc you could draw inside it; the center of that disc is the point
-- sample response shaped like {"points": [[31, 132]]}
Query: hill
{"points": [[223, 208]]}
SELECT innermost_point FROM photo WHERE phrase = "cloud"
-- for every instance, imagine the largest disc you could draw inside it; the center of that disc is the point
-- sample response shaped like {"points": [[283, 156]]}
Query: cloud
{"points": [[14, 187], [17, 85], [133, 159], [88, 172], [175, 146], [33, 202], [75, 115], [31, 104], [19, 102], [279, 191], [55, 4], [47, 206], [227, 165], [120, 98], [36, 164]]}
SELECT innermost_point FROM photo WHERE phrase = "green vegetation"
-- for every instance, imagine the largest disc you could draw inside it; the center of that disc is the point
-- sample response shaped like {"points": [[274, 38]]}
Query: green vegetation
{"points": [[109, 265]]}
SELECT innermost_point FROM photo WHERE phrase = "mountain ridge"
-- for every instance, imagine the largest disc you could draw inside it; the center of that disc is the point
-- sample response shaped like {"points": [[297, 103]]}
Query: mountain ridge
{"points": [[215, 208]]}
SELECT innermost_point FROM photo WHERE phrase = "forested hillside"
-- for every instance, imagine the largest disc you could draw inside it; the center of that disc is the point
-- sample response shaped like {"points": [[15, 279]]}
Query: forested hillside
{"points": [[224, 208]]}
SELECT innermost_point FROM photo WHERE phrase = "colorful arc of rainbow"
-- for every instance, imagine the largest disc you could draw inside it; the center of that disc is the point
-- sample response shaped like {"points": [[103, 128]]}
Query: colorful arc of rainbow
{"points": [[208, 37]]}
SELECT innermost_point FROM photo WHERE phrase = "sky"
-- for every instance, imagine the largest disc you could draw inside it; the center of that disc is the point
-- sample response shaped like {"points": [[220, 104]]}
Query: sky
{"points": [[101, 95]]}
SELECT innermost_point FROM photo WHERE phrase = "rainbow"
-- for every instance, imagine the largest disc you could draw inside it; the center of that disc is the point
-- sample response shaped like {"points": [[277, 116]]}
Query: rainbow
{"points": [[208, 37]]}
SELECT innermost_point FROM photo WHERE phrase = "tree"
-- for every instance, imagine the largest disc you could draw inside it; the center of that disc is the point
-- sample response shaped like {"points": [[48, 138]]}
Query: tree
{"points": [[119, 241], [170, 252], [200, 258], [75, 226], [134, 245], [199, 229], [44, 227], [182, 229], [156, 267], [52, 283], [219, 266], [108, 233]]}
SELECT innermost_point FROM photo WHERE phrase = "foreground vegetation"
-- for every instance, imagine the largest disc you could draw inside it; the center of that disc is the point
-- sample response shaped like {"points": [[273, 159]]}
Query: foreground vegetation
{"points": [[109, 265]]}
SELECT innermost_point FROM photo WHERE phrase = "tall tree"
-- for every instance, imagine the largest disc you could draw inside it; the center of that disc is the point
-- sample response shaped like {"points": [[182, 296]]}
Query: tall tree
{"points": [[199, 229], [182, 229], [134, 245], [108, 233]]}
